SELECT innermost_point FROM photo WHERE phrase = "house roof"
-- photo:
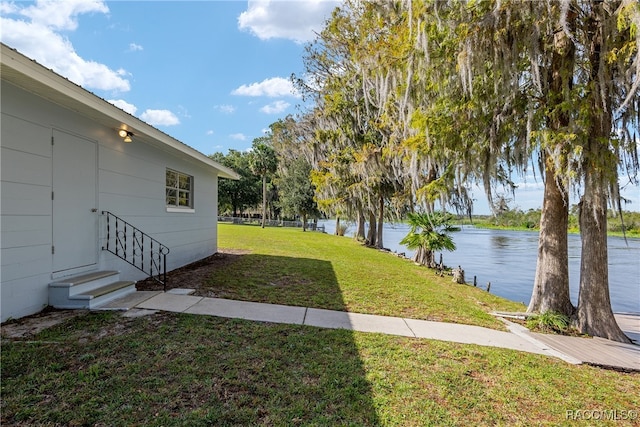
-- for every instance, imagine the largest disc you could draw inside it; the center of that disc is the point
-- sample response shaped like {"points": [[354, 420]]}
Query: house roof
{"points": [[33, 77]]}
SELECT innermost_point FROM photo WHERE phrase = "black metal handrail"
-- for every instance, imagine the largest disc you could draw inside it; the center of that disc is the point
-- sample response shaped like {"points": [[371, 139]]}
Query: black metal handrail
{"points": [[137, 248]]}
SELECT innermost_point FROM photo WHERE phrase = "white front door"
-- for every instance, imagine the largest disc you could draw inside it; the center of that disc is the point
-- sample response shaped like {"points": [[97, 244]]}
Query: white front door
{"points": [[74, 198]]}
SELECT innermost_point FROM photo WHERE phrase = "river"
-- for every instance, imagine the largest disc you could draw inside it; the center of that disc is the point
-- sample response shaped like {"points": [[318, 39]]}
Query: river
{"points": [[507, 259]]}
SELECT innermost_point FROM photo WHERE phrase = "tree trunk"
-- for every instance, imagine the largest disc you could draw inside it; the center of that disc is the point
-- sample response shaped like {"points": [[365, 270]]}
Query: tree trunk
{"points": [[264, 200], [594, 314], [379, 242], [304, 222], [360, 226], [423, 256], [337, 233], [551, 284], [371, 233]]}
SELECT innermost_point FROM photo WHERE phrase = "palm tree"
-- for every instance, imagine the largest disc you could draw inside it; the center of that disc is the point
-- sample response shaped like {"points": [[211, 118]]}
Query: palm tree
{"points": [[263, 162], [429, 233]]}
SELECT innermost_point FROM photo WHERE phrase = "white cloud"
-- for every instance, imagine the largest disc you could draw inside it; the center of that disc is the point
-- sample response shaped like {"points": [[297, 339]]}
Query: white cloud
{"points": [[530, 185], [294, 20], [275, 107], [227, 109], [160, 117], [238, 136], [37, 38], [134, 47], [8, 8], [62, 15], [273, 88], [124, 105], [209, 132]]}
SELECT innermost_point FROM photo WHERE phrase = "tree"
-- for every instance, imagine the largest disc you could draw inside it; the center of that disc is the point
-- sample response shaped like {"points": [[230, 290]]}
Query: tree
{"points": [[342, 121], [431, 95], [360, 170], [577, 65], [516, 64], [610, 39], [429, 233], [297, 193], [237, 195], [263, 162]]}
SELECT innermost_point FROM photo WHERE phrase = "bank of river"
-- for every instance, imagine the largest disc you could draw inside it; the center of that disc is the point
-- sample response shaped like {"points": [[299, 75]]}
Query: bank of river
{"points": [[507, 259]]}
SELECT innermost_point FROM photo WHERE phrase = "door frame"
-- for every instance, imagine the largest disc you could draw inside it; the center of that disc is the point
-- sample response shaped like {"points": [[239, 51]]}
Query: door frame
{"points": [[94, 234]]}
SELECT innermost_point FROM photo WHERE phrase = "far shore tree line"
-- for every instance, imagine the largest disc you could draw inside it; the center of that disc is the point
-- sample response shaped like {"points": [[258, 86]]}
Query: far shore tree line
{"points": [[415, 101], [626, 224]]}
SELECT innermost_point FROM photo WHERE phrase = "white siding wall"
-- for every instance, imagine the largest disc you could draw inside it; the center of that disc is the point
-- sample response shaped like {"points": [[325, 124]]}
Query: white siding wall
{"points": [[25, 223], [131, 185]]}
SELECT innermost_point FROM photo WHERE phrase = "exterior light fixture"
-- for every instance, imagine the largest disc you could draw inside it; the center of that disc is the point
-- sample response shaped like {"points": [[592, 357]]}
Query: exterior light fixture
{"points": [[125, 134]]}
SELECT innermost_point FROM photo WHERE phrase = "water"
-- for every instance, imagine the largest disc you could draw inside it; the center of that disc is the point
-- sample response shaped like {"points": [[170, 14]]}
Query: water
{"points": [[507, 259]]}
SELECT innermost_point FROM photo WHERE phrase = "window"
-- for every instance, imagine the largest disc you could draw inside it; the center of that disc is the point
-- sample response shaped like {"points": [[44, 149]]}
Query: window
{"points": [[179, 191]]}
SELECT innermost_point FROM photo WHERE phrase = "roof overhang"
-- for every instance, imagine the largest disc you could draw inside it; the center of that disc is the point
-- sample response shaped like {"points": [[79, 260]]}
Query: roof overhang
{"points": [[27, 74]]}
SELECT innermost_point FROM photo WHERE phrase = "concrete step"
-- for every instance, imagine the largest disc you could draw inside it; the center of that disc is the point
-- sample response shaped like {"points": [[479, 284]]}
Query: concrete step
{"points": [[99, 296], [85, 282], [103, 290], [89, 291]]}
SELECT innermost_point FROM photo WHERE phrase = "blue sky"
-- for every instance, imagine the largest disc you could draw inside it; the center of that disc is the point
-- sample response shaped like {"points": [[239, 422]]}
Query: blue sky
{"points": [[212, 74]]}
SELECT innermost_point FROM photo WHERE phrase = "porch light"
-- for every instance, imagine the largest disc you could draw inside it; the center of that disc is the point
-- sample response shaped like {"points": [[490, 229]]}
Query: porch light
{"points": [[125, 134]]}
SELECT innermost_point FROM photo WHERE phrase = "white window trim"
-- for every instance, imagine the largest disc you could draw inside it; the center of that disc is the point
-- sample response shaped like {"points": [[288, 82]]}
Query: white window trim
{"points": [[182, 209], [173, 209]]}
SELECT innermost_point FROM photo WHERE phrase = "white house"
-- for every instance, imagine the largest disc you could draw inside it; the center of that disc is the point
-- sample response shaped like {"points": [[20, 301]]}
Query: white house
{"points": [[65, 163]]}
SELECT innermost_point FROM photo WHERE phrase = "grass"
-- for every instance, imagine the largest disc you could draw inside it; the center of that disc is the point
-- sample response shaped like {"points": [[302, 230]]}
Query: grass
{"points": [[187, 370], [169, 369], [549, 322], [286, 266]]}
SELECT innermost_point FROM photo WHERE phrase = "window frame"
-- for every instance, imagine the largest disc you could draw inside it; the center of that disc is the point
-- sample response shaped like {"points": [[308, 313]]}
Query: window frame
{"points": [[177, 188]]}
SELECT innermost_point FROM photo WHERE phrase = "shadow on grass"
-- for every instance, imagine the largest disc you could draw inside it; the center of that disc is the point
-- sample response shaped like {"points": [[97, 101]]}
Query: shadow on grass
{"points": [[272, 279], [275, 279], [179, 369]]}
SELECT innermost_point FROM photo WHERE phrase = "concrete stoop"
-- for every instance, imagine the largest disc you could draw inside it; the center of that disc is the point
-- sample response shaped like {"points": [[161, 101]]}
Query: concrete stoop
{"points": [[89, 291]]}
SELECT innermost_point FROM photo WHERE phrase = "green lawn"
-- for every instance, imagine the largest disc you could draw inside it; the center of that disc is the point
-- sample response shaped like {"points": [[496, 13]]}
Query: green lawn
{"points": [[287, 266], [172, 369], [188, 370]]}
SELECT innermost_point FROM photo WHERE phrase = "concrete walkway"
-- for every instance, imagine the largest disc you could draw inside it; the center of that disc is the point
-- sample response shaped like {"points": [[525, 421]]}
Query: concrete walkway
{"points": [[519, 338]]}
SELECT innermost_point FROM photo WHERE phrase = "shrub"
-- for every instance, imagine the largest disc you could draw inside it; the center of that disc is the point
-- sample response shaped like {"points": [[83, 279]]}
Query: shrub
{"points": [[342, 229], [549, 321]]}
